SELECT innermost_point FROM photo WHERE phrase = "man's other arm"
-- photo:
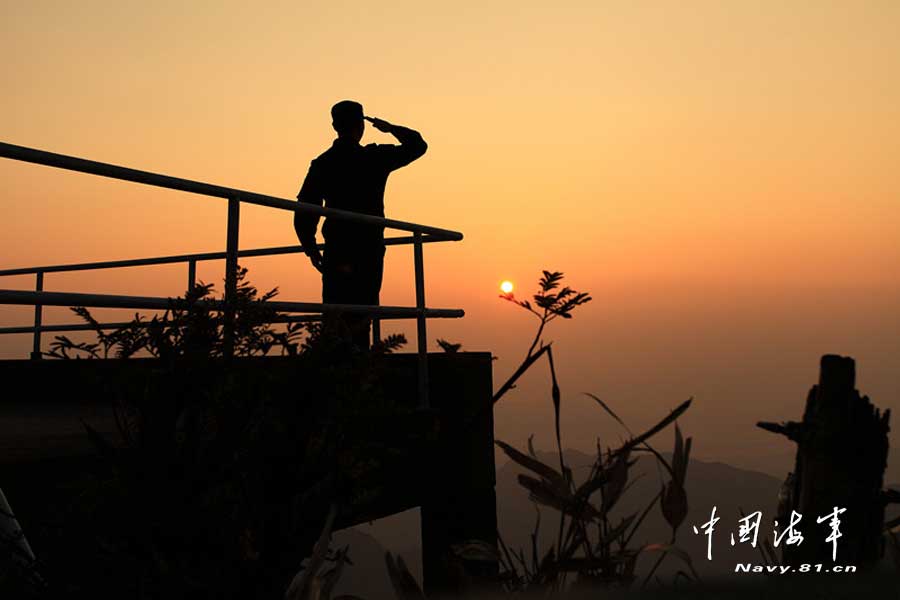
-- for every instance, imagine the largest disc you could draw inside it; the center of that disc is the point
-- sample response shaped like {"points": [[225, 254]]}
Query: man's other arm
{"points": [[306, 223], [411, 147]]}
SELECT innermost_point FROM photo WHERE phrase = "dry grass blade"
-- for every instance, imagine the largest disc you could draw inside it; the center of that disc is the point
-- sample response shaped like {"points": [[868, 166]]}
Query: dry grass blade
{"points": [[543, 493], [331, 577], [677, 454], [610, 412], [404, 583], [508, 559], [659, 457], [534, 538], [620, 529], [667, 549], [592, 485], [532, 464], [617, 479], [394, 575], [674, 502], [641, 518], [477, 550], [554, 391], [679, 410], [686, 461], [302, 583]]}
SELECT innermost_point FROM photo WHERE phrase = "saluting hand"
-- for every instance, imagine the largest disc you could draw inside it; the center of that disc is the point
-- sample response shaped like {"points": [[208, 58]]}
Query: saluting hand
{"points": [[379, 124]]}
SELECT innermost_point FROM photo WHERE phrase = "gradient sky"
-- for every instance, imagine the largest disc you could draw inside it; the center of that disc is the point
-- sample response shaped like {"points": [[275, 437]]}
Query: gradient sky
{"points": [[723, 177]]}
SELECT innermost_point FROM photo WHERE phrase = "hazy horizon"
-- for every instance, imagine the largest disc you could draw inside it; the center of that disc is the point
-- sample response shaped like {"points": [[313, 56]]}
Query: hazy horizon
{"points": [[721, 177]]}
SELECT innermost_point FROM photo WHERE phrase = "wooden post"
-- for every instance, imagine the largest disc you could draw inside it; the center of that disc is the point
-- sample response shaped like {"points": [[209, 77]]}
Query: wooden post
{"points": [[842, 447], [459, 503]]}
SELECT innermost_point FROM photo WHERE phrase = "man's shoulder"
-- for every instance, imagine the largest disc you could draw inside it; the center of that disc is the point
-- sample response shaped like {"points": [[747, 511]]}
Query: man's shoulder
{"points": [[332, 158], [323, 157], [322, 161]]}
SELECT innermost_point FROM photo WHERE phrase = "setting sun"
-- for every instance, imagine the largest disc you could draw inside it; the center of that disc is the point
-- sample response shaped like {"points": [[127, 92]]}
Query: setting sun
{"points": [[506, 287]]}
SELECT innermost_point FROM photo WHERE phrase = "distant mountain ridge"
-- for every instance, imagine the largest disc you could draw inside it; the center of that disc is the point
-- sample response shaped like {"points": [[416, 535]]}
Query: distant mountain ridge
{"points": [[708, 483]]}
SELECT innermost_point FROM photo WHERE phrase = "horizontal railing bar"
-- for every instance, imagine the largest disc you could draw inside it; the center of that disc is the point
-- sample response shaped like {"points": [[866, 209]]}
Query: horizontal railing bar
{"points": [[71, 163], [182, 258], [121, 324], [28, 298]]}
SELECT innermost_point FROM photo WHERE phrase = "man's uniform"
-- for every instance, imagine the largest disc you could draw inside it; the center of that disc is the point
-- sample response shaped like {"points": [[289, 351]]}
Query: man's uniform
{"points": [[352, 177]]}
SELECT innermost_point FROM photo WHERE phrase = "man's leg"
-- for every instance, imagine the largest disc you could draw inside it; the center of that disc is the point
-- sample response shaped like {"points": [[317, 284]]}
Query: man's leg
{"points": [[367, 268], [360, 325], [370, 270], [353, 279], [337, 288]]}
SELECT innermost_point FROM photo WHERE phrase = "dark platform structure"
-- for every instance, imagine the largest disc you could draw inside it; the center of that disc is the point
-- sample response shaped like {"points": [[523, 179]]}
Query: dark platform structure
{"points": [[452, 459], [440, 420]]}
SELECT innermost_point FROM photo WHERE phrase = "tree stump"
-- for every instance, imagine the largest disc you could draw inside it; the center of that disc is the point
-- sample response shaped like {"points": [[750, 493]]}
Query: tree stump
{"points": [[842, 447]]}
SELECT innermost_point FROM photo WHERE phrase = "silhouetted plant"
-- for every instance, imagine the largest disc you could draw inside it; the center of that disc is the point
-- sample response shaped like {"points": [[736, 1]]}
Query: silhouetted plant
{"points": [[311, 584], [605, 558], [19, 570], [448, 347], [550, 304], [608, 559], [191, 330], [217, 483]]}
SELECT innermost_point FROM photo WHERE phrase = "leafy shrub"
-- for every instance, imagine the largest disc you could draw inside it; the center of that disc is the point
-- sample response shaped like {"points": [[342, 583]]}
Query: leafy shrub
{"points": [[222, 471]]}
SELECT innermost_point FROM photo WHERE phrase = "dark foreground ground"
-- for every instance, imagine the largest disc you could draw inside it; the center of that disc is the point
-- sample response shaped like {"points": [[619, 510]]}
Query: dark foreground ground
{"points": [[849, 586]]}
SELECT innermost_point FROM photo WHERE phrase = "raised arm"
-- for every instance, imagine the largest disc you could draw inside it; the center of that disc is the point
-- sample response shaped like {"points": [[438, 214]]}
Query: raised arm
{"points": [[411, 147], [305, 223]]}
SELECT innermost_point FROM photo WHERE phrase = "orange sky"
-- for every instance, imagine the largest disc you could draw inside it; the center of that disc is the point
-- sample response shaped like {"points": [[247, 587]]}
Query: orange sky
{"points": [[721, 176]]}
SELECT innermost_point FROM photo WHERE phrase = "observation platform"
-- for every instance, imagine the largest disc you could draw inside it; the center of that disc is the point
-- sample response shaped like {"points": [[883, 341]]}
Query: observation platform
{"points": [[439, 459], [432, 433]]}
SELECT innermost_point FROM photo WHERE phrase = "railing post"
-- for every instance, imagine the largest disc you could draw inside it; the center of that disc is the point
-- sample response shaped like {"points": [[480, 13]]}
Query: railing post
{"points": [[231, 265], [376, 328], [192, 274], [421, 337], [38, 314]]}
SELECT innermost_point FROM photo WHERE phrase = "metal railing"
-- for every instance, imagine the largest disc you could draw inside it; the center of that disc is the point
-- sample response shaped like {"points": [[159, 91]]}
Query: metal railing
{"points": [[39, 298]]}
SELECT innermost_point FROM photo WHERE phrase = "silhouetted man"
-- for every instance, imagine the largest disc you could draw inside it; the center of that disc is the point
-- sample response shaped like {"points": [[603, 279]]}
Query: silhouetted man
{"points": [[349, 176]]}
